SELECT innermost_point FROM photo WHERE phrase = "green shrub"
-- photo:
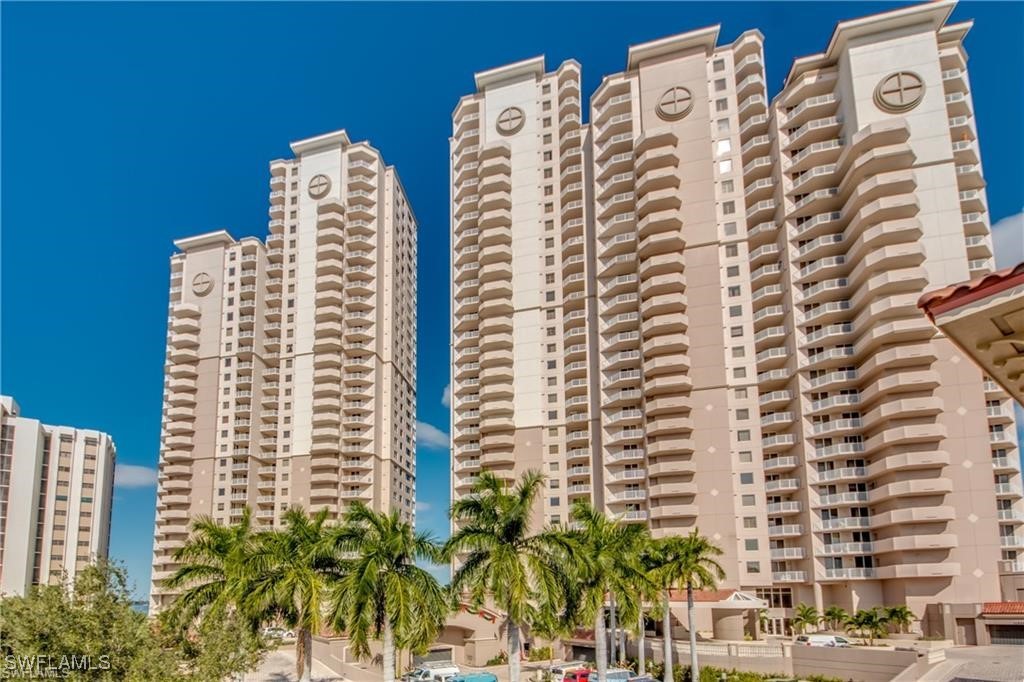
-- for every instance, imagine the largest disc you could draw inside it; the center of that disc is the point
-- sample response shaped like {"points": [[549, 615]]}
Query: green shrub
{"points": [[540, 653], [500, 659]]}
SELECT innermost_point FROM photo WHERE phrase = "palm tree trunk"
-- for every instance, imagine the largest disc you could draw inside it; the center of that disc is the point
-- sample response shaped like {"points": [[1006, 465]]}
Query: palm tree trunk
{"points": [[694, 670], [613, 638], [600, 645], [622, 644], [389, 652], [666, 624], [641, 653], [304, 654], [513, 652]]}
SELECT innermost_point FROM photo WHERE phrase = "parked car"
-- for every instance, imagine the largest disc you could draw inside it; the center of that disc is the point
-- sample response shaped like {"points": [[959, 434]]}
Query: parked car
{"points": [[559, 670], [428, 672], [474, 677], [579, 675], [618, 675], [642, 678], [274, 632], [823, 640]]}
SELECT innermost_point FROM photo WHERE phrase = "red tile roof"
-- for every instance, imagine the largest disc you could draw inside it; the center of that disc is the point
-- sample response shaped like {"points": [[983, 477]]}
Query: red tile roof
{"points": [[999, 608], [956, 295]]}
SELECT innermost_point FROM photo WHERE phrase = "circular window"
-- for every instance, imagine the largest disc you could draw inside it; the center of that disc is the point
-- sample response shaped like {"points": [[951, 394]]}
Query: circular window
{"points": [[900, 91], [202, 284], [511, 120], [319, 186], [675, 103]]}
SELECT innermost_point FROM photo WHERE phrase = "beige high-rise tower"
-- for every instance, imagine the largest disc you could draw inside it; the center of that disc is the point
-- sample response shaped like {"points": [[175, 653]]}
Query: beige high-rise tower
{"points": [[698, 310], [56, 492], [291, 363]]}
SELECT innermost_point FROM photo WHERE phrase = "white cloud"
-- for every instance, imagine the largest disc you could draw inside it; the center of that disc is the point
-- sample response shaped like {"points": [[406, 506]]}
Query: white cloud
{"points": [[423, 506], [429, 436], [1008, 240], [133, 476], [446, 397]]}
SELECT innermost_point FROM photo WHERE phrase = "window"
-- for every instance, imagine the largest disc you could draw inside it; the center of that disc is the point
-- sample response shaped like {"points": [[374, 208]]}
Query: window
{"points": [[731, 250], [743, 413], [549, 261], [738, 351], [732, 271], [735, 310], [745, 456], [725, 166], [746, 478], [735, 332], [727, 185], [728, 207], [747, 500], [753, 567], [549, 296], [750, 522], [723, 147], [547, 156], [750, 544], [718, 65], [723, 125], [743, 435], [719, 85], [741, 393], [734, 291], [554, 501], [721, 104], [739, 372]]}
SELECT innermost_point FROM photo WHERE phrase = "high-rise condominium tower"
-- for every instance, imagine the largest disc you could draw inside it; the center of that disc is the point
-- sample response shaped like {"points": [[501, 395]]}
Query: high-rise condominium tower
{"points": [[56, 488], [699, 309], [290, 375]]}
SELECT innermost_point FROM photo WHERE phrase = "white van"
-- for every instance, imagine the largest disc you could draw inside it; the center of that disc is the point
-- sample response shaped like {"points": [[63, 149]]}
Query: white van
{"points": [[559, 670], [428, 672], [823, 640]]}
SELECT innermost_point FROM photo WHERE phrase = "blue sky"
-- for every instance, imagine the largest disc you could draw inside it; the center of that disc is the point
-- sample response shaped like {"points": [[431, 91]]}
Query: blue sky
{"points": [[125, 126]]}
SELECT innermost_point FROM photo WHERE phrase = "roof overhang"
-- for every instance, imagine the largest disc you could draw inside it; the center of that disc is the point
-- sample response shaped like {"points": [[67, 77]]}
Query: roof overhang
{"points": [[528, 68], [705, 38], [205, 241], [338, 138], [985, 319], [935, 13]]}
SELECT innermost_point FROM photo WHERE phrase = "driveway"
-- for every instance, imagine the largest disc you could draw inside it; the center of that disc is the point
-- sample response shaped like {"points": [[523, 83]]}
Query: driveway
{"points": [[279, 666], [979, 664]]}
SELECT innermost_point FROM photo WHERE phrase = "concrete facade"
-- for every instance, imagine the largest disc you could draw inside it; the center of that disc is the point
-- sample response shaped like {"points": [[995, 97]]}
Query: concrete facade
{"points": [[698, 310], [56, 491], [291, 362]]}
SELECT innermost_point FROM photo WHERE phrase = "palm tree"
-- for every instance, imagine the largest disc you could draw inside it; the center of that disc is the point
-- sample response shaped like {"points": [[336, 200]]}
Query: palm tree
{"points": [[502, 560], [212, 564], [685, 560], [380, 591], [805, 616], [647, 591], [290, 578], [835, 616], [899, 617], [612, 570], [869, 622]]}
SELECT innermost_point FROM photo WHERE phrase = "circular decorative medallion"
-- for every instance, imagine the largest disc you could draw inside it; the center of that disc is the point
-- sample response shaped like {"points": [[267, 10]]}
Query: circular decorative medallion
{"points": [[675, 103], [202, 284], [900, 91], [319, 186], [510, 121]]}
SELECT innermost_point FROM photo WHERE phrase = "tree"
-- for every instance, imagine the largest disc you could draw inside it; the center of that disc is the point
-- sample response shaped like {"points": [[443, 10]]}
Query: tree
{"points": [[94, 621], [380, 592], [900, 617], [836, 617], [502, 560], [287, 578], [647, 591], [869, 623], [688, 561], [211, 573], [805, 616], [613, 570]]}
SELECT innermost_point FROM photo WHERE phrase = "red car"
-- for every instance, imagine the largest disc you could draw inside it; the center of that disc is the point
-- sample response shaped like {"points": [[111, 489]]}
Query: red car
{"points": [[577, 676]]}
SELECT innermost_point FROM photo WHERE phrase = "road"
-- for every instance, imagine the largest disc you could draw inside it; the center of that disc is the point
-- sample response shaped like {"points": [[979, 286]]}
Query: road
{"points": [[279, 666]]}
